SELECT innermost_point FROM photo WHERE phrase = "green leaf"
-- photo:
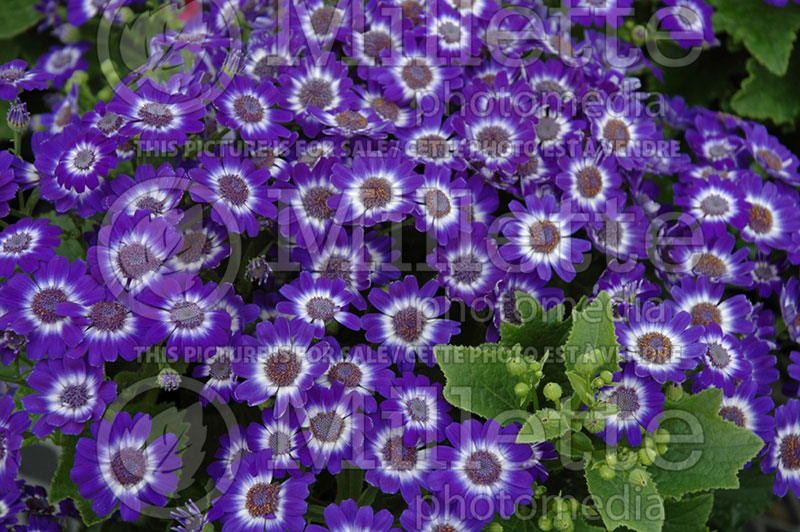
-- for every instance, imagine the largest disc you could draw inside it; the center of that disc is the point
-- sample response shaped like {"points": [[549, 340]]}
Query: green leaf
{"points": [[766, 96], [688, 514], [538, 428], [540, 330], [18, 16], [581, 387], [621, 504], [62, 487], [349, 484], [593, 330], [705, 451], [768, 32], [478, 381], [734, 508]]}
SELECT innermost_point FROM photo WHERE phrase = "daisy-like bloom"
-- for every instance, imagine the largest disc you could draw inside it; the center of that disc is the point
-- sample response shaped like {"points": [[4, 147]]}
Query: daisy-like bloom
{"points": [[247, 108], [181, 308], [625, 286], [416, 403], [308, 213], [131, 252], [161, 117], [39, 524], [724, 362], [765, 373], [372, 98], [556, 125], [703, 301], [318, 302], [221, 378], [349, 517], [320, 24], [767, 275], [747, 409], [15, 76], [77, 158], [715, 203], [640, 403], [12, 425], [485, 467], [233, 448], [588, 182], [117, 465], [790, 307], [281, 436], [61, 61], [689, 22], [414, 76], [599, 12], [158, 191], [105, 121], [333, 430], [366, 46], [361, 371], [348, 123], [382, 257], [661, 343], [284, 366], [204, 246], [716, 259], [430, 141], [465, 267], [395, 462], [323, 84], [49, 308], [625, 133], [8, 186], [25, 243], [268, 58], [553, 76], [541, 237], [235, 188], [64, 112], [233, 305], [70, 394], [375, 188], [441, 516], [773, 157], [783, 455], [11, 504], [772, 214], [408, 323], [257, 501], [441, 204], [189, 518], [453, 32]]}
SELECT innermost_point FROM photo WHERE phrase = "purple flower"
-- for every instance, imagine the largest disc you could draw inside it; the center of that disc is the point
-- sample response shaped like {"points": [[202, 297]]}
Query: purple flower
{"points": [[10, 503], [281, 436], [624, 132], [505, 299], [661, 343], [70, 394], [704, 302], [190, 519], [773, 157], [407, 323], [747, 409], [416, 404], [588, 182], [486, 467], [626, 286], [429, 140], [257, 501], [14, 77], [348, 516], [772, 214], [716, 259], [117, 464], [308, 213], [8, 187], [221, 378], [158, 191], [689, 22], [640, 404], [360, 370], [440, 516], [588, 12], [715, 203], [204, 246], [442, 204], [12, 425], [790, 307], [247, 108], [783, 455], [318, 302], [25, 243], [60, 62], [233, 448], [78, 159], [112, 330], [619, 232]]}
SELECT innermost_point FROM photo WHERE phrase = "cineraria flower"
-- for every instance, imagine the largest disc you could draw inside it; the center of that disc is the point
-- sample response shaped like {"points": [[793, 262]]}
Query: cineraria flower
{"points": [[441, 516], [39, 524], [281, 436], [333, 430], [773, 157], [407, 323], [747, 409], [49, 308], [624, 133], [235, 188], [416, 404], [540, 237], [377, 187], [241, 315], [349, 517], [660, 342], [724, 362], [703, 300], [715, 203], [588, 12], [233, 448], [70, 394], [157, 191], [78, 159], [180, 309], [27, 242], [790, 307], [767, 274], [112, 330], [429, 141], [190, 519], [14, 77], [772, 214], [10, 503], [257, 501], [466, 268], [117, 465], [361, 371], [318, 302], [640, 404], [350, 123], [308, 213], [247, 108], [441, 204], [588, 182], [716, 259], [8, 186], [221, 378], [204, 246], [485, 467], [373, 98], [783, 455], [689, 22], [60, 62], [625, 286], [12, 425], [284, 366]]}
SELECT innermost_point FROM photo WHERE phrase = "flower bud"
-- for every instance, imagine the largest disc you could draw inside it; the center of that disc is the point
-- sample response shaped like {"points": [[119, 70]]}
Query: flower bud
{"points": [[607, 376], [594, 421], [563, 522], [674, 391], [647, 456], [545, 523], [606, 473], [521, 389], [18, 116], [552, 391], [515, 366], [638, 477]]}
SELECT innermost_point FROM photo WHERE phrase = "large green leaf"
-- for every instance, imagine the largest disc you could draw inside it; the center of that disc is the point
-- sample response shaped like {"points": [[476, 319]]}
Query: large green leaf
{"points": [[18, 16], [639, 508], [768, 32], [593, 331], [478, 381], [705, 451], [539, 331], [689, 514], [62, 487], [733, 508], [766, 96]]}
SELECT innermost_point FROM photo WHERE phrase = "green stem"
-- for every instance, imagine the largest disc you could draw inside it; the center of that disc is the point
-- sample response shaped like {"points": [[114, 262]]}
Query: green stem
{"points": [[17, 142]]}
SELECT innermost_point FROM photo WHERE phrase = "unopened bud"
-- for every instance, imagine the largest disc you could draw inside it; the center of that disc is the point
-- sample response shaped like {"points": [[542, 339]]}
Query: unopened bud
{"points": [[18, 116]]}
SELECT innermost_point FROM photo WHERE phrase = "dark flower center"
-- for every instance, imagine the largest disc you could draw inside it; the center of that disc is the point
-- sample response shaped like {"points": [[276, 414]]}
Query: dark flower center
{"points": [[262, 499], [376, 192], [510, 312], [544, 236], [705, 313], [444, 528], [234, 189], [264, 69], [248, 109], [155, 115], [61, 60], [44, 304], [528, 168], [417, 409], [75, 396], [494, 141], [714, 205], [616, 132], [718, 356], [760, 219], [129, 466], [589, 181], [321, 308], [345, 372], [11, 74], [327, 426], [17, 243], [196, 245], [386, 109], [351, 120], [84, 159], [400, 457], [733, 414], [790, 452], [549, 86], [416, 74], [279, 443], [220, 368], [316, 92], [135, 260], [450, 33], [412, 9], [771, 159], [431, 147], [315, 203], [107, 316], [156, 207], [376, 41], [466, 269], [547, 128], [483, 468], [409, 324], [109, 122], [627, 400], [437, 203], [323, 19], [187, 315], [337, 267], [764, 272], [282, 368], [709, 265], [655, 348]]}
